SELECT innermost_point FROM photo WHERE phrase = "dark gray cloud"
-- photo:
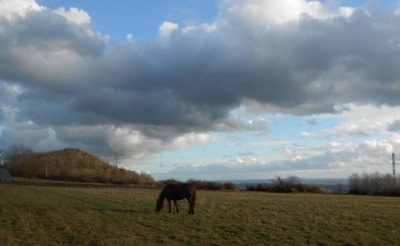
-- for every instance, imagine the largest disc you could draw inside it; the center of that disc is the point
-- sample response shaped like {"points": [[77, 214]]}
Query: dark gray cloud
{"points": [[191, 80], [248, 153], [394, 126], [312, 122]]}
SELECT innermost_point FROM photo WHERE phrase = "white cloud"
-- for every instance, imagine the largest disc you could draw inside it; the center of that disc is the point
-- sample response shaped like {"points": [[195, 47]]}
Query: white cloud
{"points": [[272, 12], [102, 140], [368, 155], [167, 28], [331, 160], [357, 121], [192, 139], [11, 9], [75, 15], [205, 26], [309, 135], [369, 113], [358, 129], [346, 11], [272, 143], [8, 90], [7, 114]]}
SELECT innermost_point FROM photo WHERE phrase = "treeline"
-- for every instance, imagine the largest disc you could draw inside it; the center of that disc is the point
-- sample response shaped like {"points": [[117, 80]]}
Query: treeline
{"points": [[289, 185], [374, 184], [204, 185], [280, 185], [67, 165]]}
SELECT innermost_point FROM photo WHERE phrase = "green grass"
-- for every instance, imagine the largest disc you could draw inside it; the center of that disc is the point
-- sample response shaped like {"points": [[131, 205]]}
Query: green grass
{"points": [[41, 215]]}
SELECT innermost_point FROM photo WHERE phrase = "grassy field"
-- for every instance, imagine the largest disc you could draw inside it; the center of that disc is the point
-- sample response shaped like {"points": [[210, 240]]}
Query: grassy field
{"points": [[41, 215]]}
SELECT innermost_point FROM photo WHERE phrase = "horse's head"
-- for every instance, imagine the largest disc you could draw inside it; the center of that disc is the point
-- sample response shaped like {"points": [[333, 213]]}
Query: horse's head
{"points": [[159, 205]]}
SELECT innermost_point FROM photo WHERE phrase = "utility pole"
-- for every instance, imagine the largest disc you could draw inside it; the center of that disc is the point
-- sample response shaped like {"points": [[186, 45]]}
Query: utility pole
{"points": [[47, 168], [394, 166]]}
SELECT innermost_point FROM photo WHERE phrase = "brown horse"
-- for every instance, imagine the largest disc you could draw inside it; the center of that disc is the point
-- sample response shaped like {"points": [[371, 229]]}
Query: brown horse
{"points": [[177, 192]]}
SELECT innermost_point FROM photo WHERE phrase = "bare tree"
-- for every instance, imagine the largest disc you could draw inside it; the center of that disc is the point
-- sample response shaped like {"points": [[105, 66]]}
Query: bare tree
{"points": [[376, 183], [354, 183], [17, 158], [388, 184], [293, 180], [366, 183]]}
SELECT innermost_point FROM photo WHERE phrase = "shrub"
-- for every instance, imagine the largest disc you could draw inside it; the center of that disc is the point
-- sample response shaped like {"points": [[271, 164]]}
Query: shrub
{"points": [[300, 188], [250, 187], [229, 186], [211, 185], [289, 185], [263, 187]]}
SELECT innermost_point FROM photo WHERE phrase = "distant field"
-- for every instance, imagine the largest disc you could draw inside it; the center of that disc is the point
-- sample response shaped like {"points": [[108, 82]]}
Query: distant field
{"points": [[41, 215]]}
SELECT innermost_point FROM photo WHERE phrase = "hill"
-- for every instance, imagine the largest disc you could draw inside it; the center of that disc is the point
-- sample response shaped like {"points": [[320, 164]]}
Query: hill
{"points": [[69, 165]]}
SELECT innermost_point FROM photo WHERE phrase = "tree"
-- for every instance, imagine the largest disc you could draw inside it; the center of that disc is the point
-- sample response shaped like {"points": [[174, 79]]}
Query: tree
{"points": [[388, 184], [366, 184], [354, 183], [17, 159], [293, 180], [376, 183]]}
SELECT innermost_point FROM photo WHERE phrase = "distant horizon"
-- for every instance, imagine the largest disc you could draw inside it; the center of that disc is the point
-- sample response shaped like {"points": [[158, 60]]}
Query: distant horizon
{"points": [[260, 180]]}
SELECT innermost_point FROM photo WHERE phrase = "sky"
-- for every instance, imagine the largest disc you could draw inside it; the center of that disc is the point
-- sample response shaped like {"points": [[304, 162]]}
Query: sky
{"points": [[210, 90]]}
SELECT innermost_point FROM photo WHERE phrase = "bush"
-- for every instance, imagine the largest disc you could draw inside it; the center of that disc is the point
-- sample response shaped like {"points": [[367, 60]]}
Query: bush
{"points": [[250, 187], [211, 185], [229, 186], [289, 185], [263, 187]]}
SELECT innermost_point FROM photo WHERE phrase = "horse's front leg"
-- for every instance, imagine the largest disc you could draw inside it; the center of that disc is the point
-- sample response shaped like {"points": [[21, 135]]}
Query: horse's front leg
{"points": [[169, 205], [176, 206]]}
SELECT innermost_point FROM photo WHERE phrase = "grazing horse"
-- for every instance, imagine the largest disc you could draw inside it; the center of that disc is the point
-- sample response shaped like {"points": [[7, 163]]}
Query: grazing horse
{"points": [[177, 192]]}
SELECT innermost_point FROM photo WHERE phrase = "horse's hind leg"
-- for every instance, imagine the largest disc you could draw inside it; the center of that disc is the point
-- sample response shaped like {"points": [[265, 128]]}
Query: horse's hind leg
{"points": [[191, 209], [176, 206]]}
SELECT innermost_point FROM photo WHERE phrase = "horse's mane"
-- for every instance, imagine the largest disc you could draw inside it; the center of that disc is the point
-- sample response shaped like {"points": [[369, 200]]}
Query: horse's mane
{"points": [[163, 190]]}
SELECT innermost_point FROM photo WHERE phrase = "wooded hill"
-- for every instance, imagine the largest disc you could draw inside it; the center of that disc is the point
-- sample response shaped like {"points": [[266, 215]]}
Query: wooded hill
{"points": [[68, 165]]}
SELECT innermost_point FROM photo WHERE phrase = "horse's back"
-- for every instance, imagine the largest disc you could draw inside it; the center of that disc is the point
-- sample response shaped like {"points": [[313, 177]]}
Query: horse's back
{"points": [[180, 191]]}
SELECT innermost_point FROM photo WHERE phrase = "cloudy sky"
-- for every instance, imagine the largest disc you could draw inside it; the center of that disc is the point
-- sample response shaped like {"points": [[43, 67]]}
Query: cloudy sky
{"points": [[205, 89]]}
